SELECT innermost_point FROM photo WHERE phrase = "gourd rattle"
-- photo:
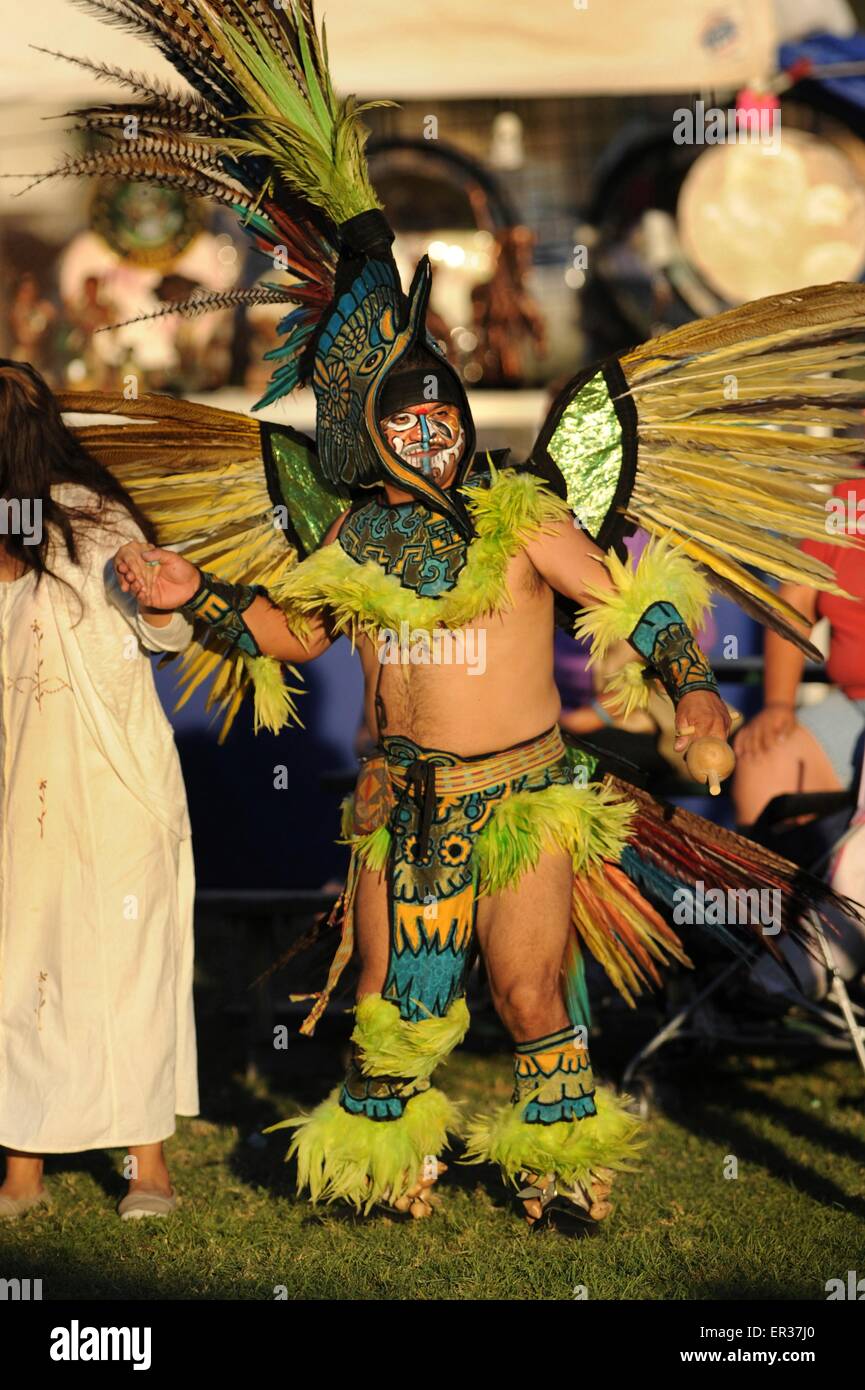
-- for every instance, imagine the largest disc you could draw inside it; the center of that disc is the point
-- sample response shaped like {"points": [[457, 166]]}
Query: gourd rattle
{"points": [[710, 760]]}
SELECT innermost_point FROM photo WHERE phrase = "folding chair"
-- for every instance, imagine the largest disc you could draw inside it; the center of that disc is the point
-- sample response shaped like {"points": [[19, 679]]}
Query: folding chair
{"points": [[841, 1021]]}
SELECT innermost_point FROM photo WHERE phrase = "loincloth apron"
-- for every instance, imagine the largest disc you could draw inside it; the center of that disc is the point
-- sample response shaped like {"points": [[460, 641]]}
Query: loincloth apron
{"points": [[433, 808]]}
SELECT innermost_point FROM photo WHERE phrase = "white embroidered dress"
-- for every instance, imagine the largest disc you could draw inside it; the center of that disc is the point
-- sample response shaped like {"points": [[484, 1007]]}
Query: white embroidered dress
{"points": [[97, 1035]]}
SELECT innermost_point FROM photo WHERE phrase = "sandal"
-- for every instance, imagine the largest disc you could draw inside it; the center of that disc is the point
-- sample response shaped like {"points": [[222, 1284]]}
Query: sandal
{"points": [[419, 1201], [13, 1207], [545, 1197], [145, 1202]]}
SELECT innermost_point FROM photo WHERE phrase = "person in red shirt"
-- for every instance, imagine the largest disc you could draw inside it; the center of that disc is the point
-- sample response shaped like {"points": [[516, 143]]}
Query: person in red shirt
{"points": [[818, 747]]}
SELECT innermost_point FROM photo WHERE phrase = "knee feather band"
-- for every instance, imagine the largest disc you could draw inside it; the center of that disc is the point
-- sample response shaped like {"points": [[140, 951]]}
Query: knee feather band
{"points": [[221, 607], [667, 645], [374, 1137]]}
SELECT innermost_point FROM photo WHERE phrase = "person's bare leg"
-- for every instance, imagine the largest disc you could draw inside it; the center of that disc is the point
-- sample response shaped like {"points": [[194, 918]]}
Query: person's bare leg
{"points": [[150, 1170], [372, 937], [23, 1175], [372, 932], [523, 932], [797, 763]]}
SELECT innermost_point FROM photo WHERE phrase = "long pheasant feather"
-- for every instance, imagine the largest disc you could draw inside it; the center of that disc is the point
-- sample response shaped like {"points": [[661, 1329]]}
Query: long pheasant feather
{"points": [[261, 131]]}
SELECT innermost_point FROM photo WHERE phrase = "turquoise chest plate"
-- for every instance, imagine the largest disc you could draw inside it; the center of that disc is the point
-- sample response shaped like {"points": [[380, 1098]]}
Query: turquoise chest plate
{"points": [[423, 549]]}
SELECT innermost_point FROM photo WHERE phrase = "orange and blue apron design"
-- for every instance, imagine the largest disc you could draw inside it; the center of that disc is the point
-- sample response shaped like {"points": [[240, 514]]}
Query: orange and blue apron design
{"points": [[435, 806], [443, 803]]}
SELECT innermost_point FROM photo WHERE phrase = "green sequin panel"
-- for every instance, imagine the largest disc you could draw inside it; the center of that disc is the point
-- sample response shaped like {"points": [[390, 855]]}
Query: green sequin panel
{"points": [[587, 449], [313, 505]]}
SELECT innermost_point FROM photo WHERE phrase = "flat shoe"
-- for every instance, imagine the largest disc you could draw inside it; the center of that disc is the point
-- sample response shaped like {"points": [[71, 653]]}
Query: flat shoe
{"points": [[143, 1202], [13, 1207]]}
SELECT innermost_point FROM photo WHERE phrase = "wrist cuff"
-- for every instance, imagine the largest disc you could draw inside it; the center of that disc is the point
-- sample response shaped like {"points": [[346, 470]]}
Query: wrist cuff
{"points": [[669, 648], [220, 606]]}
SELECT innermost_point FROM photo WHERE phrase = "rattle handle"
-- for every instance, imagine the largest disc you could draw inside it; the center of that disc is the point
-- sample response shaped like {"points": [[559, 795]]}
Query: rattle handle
{"points": [[710, 760]]}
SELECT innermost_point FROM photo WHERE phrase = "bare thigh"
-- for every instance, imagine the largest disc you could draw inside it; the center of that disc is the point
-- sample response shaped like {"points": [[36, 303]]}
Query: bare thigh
{"points": [[794, 764], [523, 932], [372, 931]]}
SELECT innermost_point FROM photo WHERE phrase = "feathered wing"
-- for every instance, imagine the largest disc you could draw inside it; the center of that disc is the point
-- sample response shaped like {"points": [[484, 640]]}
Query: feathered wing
{"points": [[699, 436], [240, 498], [707, 879], [259, 130], [749, 896]]}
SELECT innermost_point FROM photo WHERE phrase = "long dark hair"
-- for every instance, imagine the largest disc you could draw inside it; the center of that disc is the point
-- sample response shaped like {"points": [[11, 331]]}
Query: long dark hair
{"points": [[37, 450]]}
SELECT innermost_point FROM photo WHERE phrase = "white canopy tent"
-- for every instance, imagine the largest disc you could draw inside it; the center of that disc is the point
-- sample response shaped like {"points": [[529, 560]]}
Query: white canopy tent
{"points": [[448, 48]]}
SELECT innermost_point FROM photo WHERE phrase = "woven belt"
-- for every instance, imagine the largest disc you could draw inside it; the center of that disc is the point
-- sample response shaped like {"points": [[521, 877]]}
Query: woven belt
{"points": [[425, 780]]}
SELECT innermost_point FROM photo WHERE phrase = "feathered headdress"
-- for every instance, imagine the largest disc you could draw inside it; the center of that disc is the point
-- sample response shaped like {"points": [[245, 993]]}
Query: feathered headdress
{"points": [[263, 132], [698, 436]]}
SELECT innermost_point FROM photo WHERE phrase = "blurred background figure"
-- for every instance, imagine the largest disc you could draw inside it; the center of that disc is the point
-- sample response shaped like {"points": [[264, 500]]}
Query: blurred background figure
{"points": [[795, 747]]}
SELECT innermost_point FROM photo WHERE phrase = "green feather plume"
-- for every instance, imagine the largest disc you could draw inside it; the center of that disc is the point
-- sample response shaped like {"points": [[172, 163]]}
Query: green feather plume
{"points": [[394, 1046], [589, 823], [516, 508]]}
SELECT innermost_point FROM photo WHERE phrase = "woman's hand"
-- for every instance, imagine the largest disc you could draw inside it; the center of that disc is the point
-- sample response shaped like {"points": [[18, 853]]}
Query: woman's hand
{"points": [[772, 725], [698, 715], [158, 578]]}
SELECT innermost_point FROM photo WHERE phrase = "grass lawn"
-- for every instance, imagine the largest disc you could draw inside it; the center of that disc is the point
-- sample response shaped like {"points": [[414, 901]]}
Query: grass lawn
{"points": [[792, 1219]]}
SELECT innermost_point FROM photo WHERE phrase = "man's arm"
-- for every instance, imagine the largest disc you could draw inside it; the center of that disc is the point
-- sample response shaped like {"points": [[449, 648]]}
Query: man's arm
{"points": [[269, 625], [569, 561], [164, 582], [573, 565]]}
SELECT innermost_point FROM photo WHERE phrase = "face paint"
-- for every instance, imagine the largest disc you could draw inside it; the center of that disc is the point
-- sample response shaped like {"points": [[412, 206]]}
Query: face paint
{"points": [[428, 437]]}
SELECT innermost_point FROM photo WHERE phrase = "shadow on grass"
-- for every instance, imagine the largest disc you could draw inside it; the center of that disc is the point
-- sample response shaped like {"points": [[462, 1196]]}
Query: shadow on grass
{"points": [[64, 1278], [717, 1107], [720, 1112], [96, 1163]]}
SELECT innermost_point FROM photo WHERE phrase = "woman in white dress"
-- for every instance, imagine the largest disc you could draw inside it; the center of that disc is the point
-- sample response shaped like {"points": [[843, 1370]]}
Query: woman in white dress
{"points": [[97, 1035]]}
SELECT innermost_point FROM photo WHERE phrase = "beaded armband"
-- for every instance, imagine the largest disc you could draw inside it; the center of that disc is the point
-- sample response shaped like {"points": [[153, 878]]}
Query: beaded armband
{"points": [[221, 607], [669, 648]]}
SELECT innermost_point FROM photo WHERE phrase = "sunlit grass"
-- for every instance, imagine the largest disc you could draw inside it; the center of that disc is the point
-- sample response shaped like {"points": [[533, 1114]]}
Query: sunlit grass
{"points": [[793, 1218]]}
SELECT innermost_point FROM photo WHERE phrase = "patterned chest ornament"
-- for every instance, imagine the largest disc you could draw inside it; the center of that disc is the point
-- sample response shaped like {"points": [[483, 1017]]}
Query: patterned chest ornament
{"points": [[424, 551]]}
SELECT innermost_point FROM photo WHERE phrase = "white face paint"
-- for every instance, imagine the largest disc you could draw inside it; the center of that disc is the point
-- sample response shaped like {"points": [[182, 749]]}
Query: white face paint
{"points": [[428, 437]]}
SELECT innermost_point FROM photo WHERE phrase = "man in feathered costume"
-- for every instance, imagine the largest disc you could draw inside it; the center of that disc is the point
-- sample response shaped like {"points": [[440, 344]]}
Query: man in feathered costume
{"points": [[472, 822]]}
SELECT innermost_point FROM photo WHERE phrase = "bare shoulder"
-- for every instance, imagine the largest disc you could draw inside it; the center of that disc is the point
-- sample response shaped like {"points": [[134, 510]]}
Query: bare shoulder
{"points": [[334, 529], [564, 540]]}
